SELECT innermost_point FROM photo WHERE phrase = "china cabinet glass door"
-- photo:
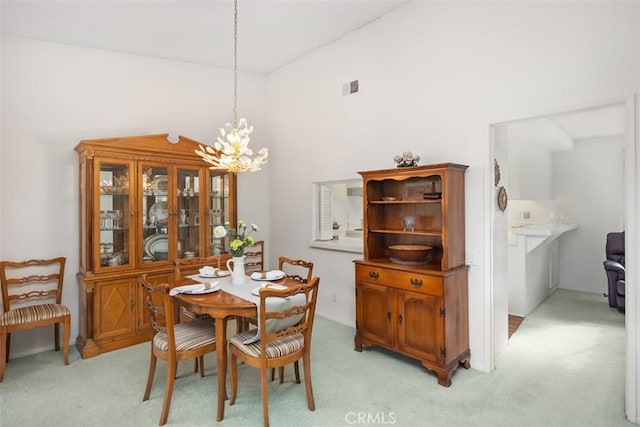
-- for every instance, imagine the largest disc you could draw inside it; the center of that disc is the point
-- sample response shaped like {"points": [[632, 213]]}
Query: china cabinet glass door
{"points": [[188, 212], [115, 212], [154, 213], [219, 210]]}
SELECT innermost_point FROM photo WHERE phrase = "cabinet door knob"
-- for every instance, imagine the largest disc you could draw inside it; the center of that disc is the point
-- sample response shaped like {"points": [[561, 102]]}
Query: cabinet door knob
{"points": [[400, 319], [416, 283], [373, 275], [388, 315]]}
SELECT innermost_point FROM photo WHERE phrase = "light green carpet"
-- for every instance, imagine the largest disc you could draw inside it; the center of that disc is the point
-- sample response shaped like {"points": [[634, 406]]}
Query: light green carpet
{"points": [[564, 366]]}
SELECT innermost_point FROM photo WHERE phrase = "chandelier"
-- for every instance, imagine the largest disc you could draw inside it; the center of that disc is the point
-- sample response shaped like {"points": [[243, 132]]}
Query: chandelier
{"points": [[231, 151]]}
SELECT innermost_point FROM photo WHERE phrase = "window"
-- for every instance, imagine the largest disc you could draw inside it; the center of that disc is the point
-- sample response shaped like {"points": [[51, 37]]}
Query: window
{"points": [[337, 215]]}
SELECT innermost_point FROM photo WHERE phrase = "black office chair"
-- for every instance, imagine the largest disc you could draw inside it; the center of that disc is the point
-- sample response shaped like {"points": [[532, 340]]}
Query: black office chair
{"points": [[614, 268]]}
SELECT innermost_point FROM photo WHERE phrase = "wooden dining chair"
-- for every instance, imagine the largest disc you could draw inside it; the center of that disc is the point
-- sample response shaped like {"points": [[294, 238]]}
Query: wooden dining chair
{"points": [[254, 257], [296, 269], [173, 342], [300, 271], [285, 325], [31, 298], [187, 266]]}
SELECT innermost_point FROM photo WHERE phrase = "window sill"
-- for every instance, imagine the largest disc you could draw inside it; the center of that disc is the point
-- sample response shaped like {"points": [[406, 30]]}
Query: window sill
{"points": [[344, 244]]}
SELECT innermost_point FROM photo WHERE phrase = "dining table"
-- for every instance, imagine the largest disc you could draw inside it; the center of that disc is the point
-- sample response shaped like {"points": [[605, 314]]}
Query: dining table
{"points": [[229, 301]]}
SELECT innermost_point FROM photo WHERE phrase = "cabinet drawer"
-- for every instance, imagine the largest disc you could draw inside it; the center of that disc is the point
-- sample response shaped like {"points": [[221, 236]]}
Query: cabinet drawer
{"points": [[409, 281]]}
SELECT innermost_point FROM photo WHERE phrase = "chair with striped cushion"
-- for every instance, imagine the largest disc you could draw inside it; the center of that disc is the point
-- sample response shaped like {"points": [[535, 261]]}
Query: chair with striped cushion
{"points": [[300, 271], [188, 266], [173, 342], [31, 298], [284, 337]]}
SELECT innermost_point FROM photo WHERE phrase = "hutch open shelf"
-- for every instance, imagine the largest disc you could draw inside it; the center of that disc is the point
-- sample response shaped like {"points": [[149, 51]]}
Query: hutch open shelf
{"points": [[416, 308]]}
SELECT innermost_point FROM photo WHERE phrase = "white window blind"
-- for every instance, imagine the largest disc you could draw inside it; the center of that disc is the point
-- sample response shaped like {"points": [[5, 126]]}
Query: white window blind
{"points": [[326, 214]]}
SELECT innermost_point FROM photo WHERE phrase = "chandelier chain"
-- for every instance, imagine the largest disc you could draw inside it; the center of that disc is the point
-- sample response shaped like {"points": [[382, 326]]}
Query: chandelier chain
{"points": [[235, 63], [231, 151]]}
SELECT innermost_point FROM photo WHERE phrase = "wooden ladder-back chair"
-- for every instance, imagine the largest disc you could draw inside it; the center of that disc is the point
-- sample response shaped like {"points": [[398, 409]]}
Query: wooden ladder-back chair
{"points": [[285, 325], [254, 257], [31, 298], [300, 271], [296, 269], [187, 266], [173, 342]]}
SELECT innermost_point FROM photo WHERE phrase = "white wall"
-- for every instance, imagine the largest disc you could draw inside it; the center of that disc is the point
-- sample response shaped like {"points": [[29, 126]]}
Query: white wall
{"points": [[55, 95], [589, 184], [433, 77]]}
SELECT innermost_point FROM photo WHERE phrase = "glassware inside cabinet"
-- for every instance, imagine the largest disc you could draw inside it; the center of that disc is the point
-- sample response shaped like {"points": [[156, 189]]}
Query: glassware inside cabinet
{"points": [[188, 213], [155, 213], [219, 210], [114, 216]]}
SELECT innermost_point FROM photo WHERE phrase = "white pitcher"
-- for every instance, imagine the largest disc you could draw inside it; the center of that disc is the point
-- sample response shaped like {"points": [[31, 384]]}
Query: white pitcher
{"points": [[237, 272]]}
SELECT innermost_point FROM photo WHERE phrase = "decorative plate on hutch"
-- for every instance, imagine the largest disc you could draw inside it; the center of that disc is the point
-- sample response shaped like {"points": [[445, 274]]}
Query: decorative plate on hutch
{"points": [[160, 185]]}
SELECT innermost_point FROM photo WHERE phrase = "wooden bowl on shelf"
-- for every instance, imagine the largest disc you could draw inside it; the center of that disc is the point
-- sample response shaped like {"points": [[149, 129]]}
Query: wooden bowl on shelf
{"points": [[410, 253]]}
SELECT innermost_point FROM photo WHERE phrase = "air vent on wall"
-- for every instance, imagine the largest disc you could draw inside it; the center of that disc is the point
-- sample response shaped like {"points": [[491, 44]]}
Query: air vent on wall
{"points": [[350, 88]]}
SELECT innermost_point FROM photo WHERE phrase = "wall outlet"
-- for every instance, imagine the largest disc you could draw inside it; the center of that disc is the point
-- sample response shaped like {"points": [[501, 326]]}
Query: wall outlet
{"points": [[526, 215]]}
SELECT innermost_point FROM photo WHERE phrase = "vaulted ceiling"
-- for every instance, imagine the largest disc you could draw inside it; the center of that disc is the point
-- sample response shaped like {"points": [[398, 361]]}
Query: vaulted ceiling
{"points": [[272, 33]]}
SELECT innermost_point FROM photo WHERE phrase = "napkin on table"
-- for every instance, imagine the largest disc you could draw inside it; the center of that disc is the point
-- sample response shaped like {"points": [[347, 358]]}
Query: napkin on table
{"points": [[269, 275], [198, 287], [208, 271]]}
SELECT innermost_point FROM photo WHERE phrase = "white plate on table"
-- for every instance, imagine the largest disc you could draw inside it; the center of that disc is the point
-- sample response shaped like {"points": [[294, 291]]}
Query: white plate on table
{"points": [[205, 291], [256, 291], [218, 273], [268, 279]]}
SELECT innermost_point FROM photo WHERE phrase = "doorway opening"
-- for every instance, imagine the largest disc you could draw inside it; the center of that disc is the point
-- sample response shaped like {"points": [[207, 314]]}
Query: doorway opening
{"points": [[588, 127]]}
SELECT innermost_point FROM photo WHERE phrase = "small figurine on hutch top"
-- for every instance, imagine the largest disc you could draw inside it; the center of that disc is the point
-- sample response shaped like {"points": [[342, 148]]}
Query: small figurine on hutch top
{"points": [[407, 159]]}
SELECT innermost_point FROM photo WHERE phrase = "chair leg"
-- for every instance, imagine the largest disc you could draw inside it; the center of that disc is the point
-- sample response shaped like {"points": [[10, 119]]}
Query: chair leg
{"points": [[281, 374], [66, 337], [152, 372], [273, 373], [168, 391], [242, 324], [307, 381], [3, 348], [8, 347], [297, 371], [265, 396], [201, 361], [56, 337], [234, 377], [195, 365]]}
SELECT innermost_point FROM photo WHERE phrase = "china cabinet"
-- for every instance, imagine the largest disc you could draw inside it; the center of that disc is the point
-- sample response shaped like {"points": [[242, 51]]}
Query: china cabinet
{"points": [[144, 202], [418, 308]]}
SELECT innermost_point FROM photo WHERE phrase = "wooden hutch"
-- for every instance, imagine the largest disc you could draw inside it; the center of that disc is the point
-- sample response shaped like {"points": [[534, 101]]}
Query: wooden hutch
{"points": [[418, 308], [144, 202]]}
